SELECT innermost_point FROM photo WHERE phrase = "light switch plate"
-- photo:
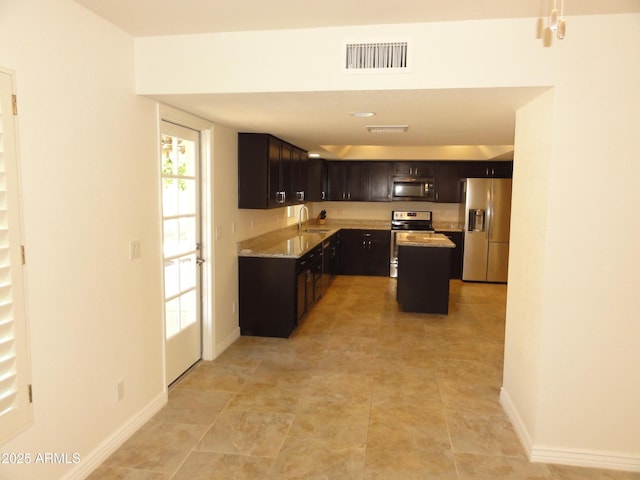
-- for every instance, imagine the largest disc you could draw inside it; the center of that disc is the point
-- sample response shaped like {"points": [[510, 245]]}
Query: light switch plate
{"points": [[134, 249]]}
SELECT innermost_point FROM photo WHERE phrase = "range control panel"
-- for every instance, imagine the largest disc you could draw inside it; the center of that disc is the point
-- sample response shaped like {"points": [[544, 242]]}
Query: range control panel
{"points": [[411, 215]]}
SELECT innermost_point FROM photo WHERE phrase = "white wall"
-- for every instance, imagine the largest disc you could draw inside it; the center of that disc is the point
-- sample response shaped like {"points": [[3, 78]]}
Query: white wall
{"points": [[446, 55], [590, 332], [527, 265], [88, 152], [89, 181], [571, 318]]}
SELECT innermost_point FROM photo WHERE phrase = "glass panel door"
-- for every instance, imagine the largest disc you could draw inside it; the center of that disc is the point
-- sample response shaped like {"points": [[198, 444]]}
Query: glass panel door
{"points": [[180, 163]]}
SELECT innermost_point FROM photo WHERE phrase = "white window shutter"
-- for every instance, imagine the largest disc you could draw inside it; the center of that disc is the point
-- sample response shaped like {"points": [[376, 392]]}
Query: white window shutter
{"points": [[15, 389]]}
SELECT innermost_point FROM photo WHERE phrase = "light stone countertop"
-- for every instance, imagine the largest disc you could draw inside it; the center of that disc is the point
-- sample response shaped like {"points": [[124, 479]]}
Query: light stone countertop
{"points": [[448, 227], [421, 239], [288, 243]]}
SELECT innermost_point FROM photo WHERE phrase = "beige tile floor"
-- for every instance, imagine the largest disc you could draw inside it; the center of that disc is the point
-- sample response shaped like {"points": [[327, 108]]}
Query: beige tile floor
{"points": [[360, 391]]}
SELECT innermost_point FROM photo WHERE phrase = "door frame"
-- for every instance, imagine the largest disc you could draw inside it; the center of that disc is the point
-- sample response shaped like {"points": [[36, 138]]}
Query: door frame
{"points": [[205, 128]]}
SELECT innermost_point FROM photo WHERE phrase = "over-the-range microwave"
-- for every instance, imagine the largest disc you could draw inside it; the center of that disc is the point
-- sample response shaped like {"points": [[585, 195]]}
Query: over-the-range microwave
{"points": [[412, 188]]}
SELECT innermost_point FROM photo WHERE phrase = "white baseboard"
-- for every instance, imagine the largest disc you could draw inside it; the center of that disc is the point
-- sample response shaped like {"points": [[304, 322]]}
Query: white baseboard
{"points": [[573, 457], [95, 458], [586, 458], [516, 421], [226, 343]]}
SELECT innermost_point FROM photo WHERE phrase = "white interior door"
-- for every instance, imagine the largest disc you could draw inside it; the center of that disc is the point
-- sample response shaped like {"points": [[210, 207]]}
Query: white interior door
{"points": [[180, 163]]}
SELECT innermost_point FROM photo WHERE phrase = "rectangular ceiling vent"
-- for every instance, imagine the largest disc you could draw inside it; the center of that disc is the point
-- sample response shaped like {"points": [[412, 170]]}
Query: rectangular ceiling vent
{"points": [[379, 56]]}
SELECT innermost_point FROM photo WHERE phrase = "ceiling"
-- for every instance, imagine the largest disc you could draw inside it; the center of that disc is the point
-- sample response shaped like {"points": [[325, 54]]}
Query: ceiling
{"points": [[443, 124]]}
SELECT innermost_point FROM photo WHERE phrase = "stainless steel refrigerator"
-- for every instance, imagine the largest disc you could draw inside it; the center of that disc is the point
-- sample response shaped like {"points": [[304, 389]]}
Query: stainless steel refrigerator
{"points": [[487, 203]]}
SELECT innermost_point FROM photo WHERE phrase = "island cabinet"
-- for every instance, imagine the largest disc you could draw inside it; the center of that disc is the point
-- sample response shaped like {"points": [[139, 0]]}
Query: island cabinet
{"points": [[271, 172], [456, 237], [423, 279], [366, 252], [276, 293], [359, 181]]}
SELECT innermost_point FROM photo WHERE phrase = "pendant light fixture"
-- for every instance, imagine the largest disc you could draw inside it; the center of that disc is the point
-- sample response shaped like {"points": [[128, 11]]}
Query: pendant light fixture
{"points": [[557, 22]]}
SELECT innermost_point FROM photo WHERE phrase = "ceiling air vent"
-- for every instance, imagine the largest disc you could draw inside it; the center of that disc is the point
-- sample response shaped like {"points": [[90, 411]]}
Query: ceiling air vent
{"points": [[381, 56], [387, 128]]}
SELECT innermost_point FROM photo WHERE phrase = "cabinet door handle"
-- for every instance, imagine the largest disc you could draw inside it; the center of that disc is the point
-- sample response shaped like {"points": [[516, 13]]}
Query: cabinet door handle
{"points": [[322, 196]]}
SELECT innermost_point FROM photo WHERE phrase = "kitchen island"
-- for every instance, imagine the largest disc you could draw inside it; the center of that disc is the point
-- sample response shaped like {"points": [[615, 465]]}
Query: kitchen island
{"points": [[424, 262]]}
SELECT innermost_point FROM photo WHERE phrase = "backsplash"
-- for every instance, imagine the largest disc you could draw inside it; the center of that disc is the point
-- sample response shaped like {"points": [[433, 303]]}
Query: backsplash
{"points": [[443, 213]]}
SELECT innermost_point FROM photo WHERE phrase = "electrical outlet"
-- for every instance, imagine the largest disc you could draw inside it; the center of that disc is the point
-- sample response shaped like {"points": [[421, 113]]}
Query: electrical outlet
{"points": [[233, 307], [233, 227], [218, 232], [120, 390]]}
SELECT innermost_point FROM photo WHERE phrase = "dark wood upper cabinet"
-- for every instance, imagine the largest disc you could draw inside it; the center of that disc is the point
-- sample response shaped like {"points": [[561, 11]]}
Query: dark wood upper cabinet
{"points": [[286, 173], [379, 181], [271, 172], [447, 182], [337, 181], [491, 169], [348, 181], [359, 181], [316, 179], [299, 174], [413, 169]]}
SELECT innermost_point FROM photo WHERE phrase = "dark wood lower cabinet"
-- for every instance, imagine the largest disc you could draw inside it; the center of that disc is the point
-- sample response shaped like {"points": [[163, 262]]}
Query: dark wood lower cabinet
{"points": [[276, 293], [366, 252], [267, 296]]}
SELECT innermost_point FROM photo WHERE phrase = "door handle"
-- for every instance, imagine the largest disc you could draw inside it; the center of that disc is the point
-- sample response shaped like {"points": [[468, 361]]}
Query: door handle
{"points": [[199, 260]]}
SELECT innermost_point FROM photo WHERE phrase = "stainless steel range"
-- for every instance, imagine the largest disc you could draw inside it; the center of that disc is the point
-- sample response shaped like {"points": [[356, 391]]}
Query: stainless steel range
{"points": [[407, 221]]}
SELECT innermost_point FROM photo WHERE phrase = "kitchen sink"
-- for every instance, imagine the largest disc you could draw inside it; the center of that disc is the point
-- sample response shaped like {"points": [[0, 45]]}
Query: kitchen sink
{"points": [[317, 230]]}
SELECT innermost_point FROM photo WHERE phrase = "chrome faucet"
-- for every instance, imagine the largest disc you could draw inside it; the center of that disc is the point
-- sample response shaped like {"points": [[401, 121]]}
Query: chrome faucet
{"points": [[303, 207]]}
